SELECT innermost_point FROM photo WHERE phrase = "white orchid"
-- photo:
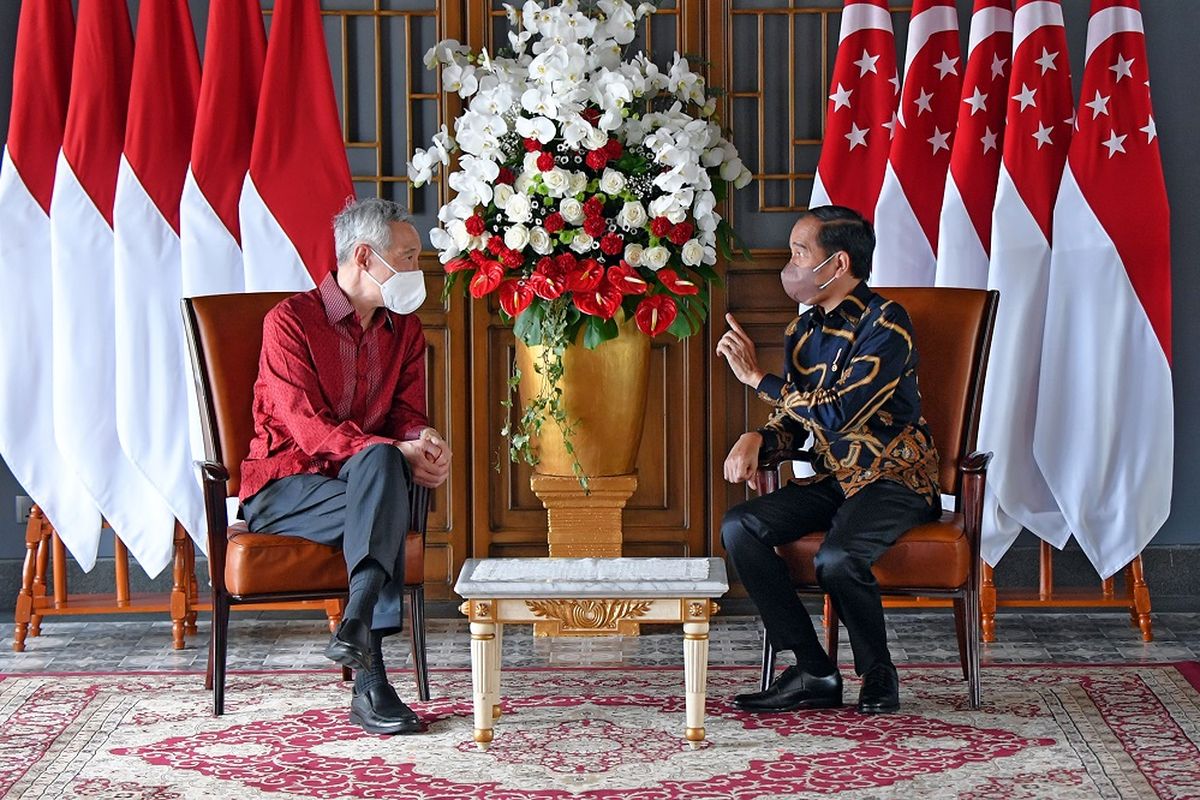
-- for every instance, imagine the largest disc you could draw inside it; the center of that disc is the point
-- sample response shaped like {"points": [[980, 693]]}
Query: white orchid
{"points": [[448, 51], [460, 79], [539, 128]]}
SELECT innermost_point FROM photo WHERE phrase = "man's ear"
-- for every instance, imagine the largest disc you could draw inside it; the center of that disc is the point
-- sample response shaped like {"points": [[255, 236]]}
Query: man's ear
{"points": [[362, 255]]}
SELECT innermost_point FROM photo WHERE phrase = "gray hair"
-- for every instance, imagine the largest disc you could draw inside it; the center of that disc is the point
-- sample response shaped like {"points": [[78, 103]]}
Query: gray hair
{"points": [[365, 222]]}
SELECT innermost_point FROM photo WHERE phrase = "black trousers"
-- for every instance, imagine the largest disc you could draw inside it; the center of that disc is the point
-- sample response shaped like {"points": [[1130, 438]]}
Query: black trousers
{"points": [[364, 509], [860, 529]]}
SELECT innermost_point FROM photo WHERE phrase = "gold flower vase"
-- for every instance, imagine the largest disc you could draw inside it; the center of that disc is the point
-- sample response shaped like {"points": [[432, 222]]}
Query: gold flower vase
{"points": [[604, 395]]}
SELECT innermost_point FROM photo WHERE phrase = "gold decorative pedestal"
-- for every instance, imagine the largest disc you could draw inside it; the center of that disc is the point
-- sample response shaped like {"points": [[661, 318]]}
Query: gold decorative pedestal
{"points": [[584, 525]]}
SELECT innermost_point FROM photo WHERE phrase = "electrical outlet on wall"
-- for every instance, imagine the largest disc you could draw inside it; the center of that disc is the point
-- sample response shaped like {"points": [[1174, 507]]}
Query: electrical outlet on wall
{"points": [[24, 507]]}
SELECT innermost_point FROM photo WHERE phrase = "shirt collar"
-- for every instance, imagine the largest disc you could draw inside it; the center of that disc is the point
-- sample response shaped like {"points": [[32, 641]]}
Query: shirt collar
{"points": [[855, 304], [338, 306]]}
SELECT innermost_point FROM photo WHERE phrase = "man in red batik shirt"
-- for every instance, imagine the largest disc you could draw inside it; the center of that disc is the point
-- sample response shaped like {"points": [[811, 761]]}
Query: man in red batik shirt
{"points": [[340, 431]]}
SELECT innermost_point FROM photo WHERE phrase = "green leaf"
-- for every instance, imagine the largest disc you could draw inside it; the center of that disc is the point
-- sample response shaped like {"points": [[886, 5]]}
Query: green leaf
{"points": [[599, 331], [528, 327]]}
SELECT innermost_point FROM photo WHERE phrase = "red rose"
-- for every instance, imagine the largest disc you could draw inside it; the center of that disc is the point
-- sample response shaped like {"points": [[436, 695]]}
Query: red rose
{"points": [[596, 159], [593, 207], [595, 226], [660, 226], [512, 259], [486, 279], [566, 262], [592, 115], [654, 315], [506, 176], [554, 222], [602, 302], [475, 225], [545, 162], [496, 245], [613, 149], [611, 244], [680, 233], [459, 264], [532, 145], [625, 278], [548, 286], [670, 279], [586, 277], [515, 297]]}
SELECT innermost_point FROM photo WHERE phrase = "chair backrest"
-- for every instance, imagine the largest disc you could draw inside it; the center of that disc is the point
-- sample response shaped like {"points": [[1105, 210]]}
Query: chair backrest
{"points": [[953, 332], [224, 334]]}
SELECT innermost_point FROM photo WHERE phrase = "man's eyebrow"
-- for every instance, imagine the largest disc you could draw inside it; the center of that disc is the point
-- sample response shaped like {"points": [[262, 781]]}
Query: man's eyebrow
{"points": [[800, 244]]}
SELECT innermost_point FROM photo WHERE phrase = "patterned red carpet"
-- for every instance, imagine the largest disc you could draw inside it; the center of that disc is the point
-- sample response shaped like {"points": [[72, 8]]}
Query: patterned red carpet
{"points": [[1061, 732]]}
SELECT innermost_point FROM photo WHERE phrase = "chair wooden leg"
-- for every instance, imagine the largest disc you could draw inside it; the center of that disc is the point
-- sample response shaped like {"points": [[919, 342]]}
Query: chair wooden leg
{"points": [[831, 630], [768, 663], [1139, 596], [960, 630], [416, 620], [988, 602], [179, 589], [218, 642], [34, 540], [347, 674], [974, 689], [208, 670]]}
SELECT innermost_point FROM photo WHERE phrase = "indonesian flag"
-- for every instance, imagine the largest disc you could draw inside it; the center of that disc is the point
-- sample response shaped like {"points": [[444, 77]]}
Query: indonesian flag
{"points": [[906, 217], [299, 178], [1037, 134], [81, 258], [41, 83], [862, 110], [236, 47], [152, 378], [1105, 425], [965, 235]]}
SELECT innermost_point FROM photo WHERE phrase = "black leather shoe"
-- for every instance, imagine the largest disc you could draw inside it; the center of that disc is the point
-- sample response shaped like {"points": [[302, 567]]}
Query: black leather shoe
{"points": [[350, 645], [794, 689], [380, 710], [880, 693]]}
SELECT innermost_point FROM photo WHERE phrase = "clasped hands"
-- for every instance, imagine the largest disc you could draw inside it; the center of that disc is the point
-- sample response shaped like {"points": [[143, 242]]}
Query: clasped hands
{"points": [[429, 458]]}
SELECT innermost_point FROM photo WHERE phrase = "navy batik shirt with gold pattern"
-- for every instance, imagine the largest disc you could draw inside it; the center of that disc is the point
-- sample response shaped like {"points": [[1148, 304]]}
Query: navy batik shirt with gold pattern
{"points": [[851, 381]]}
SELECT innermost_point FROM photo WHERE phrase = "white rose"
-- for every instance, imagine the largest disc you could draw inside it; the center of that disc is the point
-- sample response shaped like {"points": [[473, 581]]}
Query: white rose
{"points": [[578, 182], [517, 209], [582, 243], [530, 162], [540, 240], [571, 210], [555, 182], [656, 257], [632, 215], [612, 182], [596, 139], [633, 254], [523, 182], [502, 194], [516, 237], [692, 252]]}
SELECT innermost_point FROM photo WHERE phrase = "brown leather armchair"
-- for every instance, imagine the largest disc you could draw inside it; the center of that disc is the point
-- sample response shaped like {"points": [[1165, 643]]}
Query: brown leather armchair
{"points": [[953, 330], [224, 334]]}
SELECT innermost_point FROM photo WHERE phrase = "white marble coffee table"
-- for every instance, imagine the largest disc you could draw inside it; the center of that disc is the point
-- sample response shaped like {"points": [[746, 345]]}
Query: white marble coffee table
{"points": [[588, 597]]}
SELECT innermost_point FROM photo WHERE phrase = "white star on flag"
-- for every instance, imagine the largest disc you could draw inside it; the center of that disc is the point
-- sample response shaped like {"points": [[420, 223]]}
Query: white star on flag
{"points": [[1099, 105], [1042, 134], [922, 101], [938, 140], [1025, 97], [989, 139], [947, 66], [977, 101], [841, 97], [1114, 143], [1046, 62], [1122, 68], [866, 63], [998, 66], [895, 82], [1150, 130], [857, 136], [891, 126]]}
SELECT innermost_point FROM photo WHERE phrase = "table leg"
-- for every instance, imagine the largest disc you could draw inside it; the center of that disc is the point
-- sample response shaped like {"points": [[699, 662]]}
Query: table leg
{"points": [[483, 679], [497, 664], [695, 668]]}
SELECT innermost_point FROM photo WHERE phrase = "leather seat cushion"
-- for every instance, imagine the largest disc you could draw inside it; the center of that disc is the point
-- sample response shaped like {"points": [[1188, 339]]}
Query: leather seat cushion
{"points": [[936, 555], [263, 563]]}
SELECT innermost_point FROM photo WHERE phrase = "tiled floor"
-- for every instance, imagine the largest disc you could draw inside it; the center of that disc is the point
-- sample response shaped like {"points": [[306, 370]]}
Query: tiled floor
{"points": [[275, 642]]}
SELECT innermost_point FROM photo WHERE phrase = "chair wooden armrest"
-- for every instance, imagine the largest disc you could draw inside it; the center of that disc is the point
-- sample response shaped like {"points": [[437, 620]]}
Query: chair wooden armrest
{"points": [[767, 478]]}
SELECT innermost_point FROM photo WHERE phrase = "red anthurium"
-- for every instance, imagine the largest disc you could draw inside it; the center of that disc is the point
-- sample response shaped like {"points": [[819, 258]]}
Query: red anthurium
{"points": [[670, 279], [586, 276], [548, 286], [486, 279], [515, 296], [626, 278], [660, 226], [459, 264], [602, 301], [655, 314]]}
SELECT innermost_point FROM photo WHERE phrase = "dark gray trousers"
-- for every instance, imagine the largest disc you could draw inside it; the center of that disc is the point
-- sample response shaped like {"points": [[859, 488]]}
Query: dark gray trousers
{"points": [[365, 510], [860, 529]]}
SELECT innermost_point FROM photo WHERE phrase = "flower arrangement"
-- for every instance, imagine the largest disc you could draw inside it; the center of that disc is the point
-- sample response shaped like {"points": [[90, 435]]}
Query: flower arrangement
{"points": [[586, 187]]}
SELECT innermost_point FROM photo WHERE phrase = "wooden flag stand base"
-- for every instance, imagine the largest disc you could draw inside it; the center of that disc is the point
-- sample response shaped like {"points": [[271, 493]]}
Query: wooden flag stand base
{"points": [[43, 548]]}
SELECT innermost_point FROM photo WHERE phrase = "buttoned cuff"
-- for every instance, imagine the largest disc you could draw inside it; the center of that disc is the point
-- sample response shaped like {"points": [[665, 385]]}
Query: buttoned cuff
{"points": [[770, 387]]}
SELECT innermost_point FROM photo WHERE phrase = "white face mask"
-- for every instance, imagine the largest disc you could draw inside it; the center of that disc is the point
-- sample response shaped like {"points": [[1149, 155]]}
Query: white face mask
{"points": [[404, 292]]}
